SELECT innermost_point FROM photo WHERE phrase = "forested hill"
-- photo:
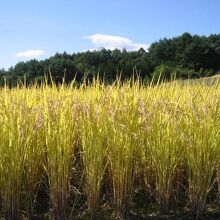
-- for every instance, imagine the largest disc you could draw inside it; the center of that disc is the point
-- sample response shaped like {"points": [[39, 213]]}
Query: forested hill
{"points": [[186, 56]]}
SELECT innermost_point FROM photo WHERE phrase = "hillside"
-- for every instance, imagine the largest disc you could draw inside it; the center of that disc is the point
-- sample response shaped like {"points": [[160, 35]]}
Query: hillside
{"points": [[182, 57]]}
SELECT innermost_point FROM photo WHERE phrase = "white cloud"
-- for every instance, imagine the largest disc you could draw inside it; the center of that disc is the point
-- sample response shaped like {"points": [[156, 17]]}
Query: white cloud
{"points": [[30, 53], [112, 42]]}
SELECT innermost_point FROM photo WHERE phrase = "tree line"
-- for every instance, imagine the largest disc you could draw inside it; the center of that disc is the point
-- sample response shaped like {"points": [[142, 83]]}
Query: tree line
{"points": [[185, 56]]}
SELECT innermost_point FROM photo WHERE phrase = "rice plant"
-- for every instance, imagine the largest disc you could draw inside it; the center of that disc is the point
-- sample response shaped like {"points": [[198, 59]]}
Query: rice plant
{"points": [[166, 150], [202, 144], [59, 128], [94, 147], [123, 127], [15, 136]]}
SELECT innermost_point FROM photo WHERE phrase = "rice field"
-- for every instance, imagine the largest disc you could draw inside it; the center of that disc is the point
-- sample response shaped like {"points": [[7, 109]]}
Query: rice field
{"points": [[68, 150]]}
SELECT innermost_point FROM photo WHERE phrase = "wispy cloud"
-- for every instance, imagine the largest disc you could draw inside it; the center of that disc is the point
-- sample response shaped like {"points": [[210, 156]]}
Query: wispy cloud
{"points": [[112, 42], [30, 54]]}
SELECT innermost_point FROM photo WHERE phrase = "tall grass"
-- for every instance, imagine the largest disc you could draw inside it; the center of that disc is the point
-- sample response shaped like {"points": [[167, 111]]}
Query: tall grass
{"points": [[94, 150], [202, 145], [119, 132], [166, 150], [59, 128], [123, 126]]}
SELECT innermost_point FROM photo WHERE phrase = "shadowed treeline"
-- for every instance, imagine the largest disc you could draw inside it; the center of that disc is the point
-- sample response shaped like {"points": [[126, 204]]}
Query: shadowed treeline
{"points": [[186, 56]]}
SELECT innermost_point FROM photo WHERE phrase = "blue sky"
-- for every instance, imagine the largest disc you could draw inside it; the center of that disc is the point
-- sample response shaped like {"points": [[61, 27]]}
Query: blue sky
{"points": [[40, 28]]}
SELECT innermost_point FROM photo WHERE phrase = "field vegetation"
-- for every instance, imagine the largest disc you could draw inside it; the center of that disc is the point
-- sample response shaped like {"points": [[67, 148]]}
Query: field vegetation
{"points": [[115, 151]]}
